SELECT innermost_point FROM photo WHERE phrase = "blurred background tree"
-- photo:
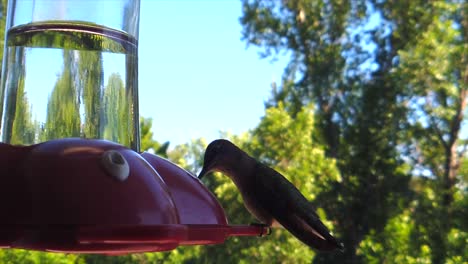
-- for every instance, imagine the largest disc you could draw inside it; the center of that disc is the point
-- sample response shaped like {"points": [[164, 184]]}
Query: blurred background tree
{"points": [[367, 121], [148, 143], [389, 82]]}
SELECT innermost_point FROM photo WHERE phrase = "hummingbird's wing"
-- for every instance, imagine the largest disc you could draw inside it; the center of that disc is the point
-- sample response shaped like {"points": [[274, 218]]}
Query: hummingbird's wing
{"points": [[292, 210]]}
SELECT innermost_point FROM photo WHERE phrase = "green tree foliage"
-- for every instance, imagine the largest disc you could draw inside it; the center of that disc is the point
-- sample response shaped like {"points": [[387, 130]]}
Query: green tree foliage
{"points": [[3, 11], [394, 243], [63, 115], [434, 73], [116, 111], [148, 143], [356, 121], [90, 82], [24, 128], [13, 256], [388, 79]]}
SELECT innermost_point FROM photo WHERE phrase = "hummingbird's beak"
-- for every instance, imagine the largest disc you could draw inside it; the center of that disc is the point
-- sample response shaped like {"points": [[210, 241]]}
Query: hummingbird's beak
{"points": [[207, 168], [203, 172]]}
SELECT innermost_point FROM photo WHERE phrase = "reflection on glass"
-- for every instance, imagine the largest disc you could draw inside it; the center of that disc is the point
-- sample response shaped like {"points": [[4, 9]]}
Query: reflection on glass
{"points": [[92, 93]]}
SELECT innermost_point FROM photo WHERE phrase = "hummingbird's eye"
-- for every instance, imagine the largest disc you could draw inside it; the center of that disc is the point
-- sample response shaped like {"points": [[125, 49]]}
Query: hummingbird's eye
{"points": [[212, 152]]}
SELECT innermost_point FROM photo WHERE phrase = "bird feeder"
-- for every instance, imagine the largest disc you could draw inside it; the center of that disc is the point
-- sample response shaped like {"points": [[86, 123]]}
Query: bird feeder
{"points": [[79, 195]]}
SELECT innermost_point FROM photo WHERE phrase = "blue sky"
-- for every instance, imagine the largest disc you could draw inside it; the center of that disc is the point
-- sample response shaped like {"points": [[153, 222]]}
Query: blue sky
{"points": [[196, 76]]}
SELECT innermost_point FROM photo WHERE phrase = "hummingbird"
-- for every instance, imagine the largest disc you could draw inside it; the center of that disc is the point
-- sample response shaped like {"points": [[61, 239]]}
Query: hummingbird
{"points": [[268, 195]]}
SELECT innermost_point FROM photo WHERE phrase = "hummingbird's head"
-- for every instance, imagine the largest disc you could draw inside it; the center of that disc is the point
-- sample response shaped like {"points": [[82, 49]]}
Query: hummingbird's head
{"points": [[218, 155]]}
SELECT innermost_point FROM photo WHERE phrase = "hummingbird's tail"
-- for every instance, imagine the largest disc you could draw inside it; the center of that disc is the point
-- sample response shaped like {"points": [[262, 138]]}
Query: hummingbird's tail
{"points": [[311, 231]]}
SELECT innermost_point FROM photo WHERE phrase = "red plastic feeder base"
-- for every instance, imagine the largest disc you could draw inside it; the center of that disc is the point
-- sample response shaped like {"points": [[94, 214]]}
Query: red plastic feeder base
{"points": [[95, 196]]}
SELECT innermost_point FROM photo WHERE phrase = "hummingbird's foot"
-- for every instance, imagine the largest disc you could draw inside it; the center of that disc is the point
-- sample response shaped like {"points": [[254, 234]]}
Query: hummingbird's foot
{"points": [[341, 247], [264, 226]]}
